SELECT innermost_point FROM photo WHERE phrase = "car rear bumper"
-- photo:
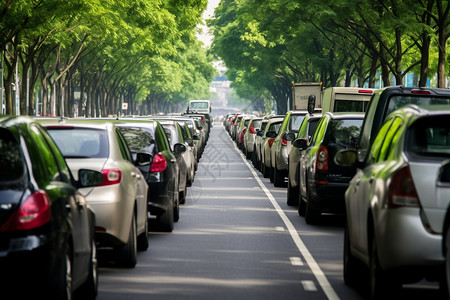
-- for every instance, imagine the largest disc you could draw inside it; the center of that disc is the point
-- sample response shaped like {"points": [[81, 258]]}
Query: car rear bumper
{"points": [[403, 241], [327, 196]]}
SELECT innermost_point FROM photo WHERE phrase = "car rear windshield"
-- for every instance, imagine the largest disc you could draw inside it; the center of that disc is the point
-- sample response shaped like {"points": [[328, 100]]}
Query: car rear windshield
{"points": [[429, 137], [80, 142], [350, 106], [343, 132], [294, 122], [395, 102], [138, 140], [11, 159]]}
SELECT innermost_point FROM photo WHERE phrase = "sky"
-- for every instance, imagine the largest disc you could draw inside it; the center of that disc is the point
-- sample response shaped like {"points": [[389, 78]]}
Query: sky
{"points": [[207, 14]]}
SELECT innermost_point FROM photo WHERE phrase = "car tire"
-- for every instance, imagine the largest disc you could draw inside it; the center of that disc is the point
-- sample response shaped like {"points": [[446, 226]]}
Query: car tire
{"points": [[381, 284], [446, 282], [271, 174], [266, 173], [142, 240], [167, 218], [182, 196], [89, 289], [301, 207], [63, 281], [176, 209], [312, 214], [352, 267], [278, 178], [292, 195], [128, 252]]}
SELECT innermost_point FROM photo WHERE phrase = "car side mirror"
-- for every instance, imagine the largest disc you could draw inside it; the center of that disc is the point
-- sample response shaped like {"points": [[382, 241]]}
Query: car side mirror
{"points": [[179, 148], [89, 178], [143, 159], [346, 158], [289, 136], [271, 134], [195, 137], [260, 133], [301, 144]]}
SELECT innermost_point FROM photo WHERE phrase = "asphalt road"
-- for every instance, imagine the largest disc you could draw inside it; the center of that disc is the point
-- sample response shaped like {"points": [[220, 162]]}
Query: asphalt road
{"points": [[237, 239]]}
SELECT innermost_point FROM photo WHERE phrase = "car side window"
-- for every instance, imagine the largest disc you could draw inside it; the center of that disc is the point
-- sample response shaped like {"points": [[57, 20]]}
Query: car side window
{"points": [[123, 146], [64, 175], [383, 141], [319, 131]]}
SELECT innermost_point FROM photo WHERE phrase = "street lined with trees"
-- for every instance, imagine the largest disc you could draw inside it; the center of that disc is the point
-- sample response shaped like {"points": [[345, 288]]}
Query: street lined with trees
{"points": [[107, 52]]}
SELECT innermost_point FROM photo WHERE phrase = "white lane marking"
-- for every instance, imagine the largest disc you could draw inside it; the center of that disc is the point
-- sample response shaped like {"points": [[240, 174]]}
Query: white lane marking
{"points": [[309, 286], [279, 228], [296, 261], [313, 265]]}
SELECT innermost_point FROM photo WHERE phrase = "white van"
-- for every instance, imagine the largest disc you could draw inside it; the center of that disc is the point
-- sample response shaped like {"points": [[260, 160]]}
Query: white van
{"points": [[199, 106], [346, 99]]}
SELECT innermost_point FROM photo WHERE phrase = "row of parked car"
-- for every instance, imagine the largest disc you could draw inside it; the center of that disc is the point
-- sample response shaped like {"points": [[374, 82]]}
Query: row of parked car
{"points": [[387, 169], [70, 187]]}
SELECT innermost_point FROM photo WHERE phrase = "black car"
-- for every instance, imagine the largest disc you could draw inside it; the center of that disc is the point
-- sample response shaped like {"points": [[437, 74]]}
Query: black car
{"points": [[322, 182], [46, 226], [160, 168]]}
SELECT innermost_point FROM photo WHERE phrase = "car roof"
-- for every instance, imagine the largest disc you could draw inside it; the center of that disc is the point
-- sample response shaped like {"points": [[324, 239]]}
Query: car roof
{"points": [[345, 115]]}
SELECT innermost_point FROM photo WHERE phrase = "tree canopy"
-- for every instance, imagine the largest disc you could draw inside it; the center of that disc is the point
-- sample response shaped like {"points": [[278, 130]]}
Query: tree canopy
{"points": [[87, 57]]}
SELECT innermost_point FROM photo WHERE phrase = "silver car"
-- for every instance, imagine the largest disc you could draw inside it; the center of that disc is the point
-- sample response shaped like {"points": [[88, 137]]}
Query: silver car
{"points": [[269, 135], [281, 147], [120, 202], [250, 137], [394, 216]]}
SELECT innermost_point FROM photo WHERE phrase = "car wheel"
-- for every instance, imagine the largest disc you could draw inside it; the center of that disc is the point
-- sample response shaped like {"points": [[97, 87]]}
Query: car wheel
{"points": [[292, 195], [271, 174], [128, 252], [301, 207], [176, 209], [182, 196], [446, 283], [352, 268], [167, 218], [142, 242], [89, 289], [265, 170], [63, 281], [312, 215], [381, 284], [278, 178]]}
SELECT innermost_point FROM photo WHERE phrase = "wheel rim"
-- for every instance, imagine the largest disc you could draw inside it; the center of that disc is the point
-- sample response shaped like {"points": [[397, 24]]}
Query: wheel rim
{"points": [[68, 277]]}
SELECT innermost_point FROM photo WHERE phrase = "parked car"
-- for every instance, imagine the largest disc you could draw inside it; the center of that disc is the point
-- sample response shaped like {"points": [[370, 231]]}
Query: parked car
{"points": [[175, 136], [281, 147], [394, 218], [158, 167], [242, 130], [47, 227], [306, 131], [250, 137], [269, 135], [120, 201], [259, 140], [443, 196], [235, 127], [322, 182]]}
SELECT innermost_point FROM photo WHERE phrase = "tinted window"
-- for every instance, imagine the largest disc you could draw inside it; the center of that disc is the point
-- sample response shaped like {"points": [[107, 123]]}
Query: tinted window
{"points": [[344, 132], [396, 102], [138, 140], [350, 106], [312, 126], [275, 127], [10, 159], [80, 142], [430, 137]]}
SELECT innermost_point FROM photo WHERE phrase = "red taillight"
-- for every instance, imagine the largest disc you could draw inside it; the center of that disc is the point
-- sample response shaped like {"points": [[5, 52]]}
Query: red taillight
{"points": [[283, 141], [34, 212], [270, 141], [111, 176], [322, 159], [365, 91], [159, 163], [252, 129], [402, 191], [244, 131], [421, 92]]}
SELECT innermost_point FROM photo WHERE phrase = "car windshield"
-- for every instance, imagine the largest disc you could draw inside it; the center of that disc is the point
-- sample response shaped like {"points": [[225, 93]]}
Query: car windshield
{"points": [[80, 142], [430, 137], [11, 159], [395, 102], [199, 105]]}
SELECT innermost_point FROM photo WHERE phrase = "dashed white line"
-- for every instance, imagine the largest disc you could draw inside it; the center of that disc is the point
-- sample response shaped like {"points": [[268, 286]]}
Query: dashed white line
{"points": [[296, 261], [313, 265], [309, 286], [279, 228]]}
